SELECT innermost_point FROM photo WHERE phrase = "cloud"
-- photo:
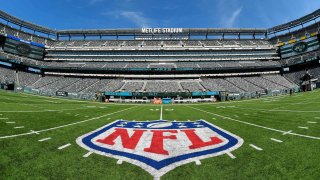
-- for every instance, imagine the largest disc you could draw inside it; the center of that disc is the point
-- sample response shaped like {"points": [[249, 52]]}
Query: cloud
{"points": [[135, 17], [230, 21]]}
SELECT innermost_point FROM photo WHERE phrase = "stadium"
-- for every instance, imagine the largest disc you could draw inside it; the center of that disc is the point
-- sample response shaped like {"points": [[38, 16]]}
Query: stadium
{"points": [[151, 103]]}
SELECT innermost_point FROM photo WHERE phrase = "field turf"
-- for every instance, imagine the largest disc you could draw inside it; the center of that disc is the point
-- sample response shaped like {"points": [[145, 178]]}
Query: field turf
{"points": [[286, 128]]}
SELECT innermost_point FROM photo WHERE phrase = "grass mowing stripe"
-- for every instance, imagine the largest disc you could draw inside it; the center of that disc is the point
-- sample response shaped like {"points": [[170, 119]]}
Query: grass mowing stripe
{"points": [[58, 127], [251, 124]]}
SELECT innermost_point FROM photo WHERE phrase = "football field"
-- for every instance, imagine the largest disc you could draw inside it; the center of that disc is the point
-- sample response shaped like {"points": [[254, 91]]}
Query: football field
{"points": [[281, 138]]}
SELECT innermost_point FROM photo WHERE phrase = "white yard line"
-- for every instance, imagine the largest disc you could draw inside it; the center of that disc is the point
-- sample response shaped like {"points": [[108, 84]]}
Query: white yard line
{"points": [[50, 101], [87, 155], [64, 146], [255, 147], [66, 125], [11, 122], [119, 161], [230, 155], [161, 112], [45, 139], [255, 125], [4, 118], [35, 132], [303, 127], [312, 122], [198, 162], [276, 140], [276, 110], [288, 132], [19, 127]]}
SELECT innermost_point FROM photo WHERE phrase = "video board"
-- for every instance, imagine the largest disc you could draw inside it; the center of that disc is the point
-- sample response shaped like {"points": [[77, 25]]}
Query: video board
{"points": [[21, 47], [299, 47]]}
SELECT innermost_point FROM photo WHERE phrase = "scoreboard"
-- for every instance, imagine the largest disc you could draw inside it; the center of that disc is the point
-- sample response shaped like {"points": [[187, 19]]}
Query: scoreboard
{"points": [[21, 47]]}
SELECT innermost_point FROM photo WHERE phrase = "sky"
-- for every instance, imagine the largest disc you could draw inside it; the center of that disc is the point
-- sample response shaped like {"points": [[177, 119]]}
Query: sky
{"points": [[112, 14]]}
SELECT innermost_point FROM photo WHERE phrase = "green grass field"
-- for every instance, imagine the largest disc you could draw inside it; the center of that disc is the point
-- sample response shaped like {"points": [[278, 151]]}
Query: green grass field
{"points": [[256, 121]]}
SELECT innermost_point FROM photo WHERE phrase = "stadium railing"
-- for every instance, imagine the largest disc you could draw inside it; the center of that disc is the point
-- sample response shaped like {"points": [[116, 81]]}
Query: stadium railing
{"points": [[82, 96], [91, 96]]}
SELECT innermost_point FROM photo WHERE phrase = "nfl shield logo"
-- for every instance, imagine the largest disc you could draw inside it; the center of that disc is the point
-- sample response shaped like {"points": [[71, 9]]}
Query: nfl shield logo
{"points": [[160, 146]]}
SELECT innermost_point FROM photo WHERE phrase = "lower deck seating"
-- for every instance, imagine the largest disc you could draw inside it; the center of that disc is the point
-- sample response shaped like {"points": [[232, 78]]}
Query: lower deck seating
{"points": [[93, 85]]}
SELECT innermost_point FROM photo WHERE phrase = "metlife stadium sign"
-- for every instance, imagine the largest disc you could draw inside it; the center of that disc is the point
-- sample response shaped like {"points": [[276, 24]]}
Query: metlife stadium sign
{"points": [[161, 30]]}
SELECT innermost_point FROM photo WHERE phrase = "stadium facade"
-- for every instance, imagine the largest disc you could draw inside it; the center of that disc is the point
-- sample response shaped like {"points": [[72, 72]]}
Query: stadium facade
{"points": [[179, 64]]}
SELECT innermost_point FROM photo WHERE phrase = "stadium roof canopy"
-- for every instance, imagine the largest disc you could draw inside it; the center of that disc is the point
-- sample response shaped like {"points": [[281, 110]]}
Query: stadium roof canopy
{"points": [[184, 31], [25, 24], [165, 31], [298, 22]]}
